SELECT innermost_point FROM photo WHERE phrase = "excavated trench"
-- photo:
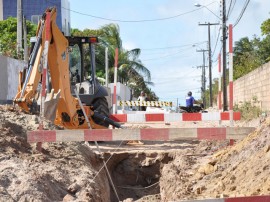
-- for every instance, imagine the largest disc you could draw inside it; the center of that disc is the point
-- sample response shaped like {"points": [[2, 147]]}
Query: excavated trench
{"points": [[135, 175]]}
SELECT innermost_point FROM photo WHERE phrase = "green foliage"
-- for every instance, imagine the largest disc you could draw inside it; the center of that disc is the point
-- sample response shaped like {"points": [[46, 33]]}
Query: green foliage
{"points": [[249, 110], [251, 54], [8, 36], [265, 27], [246, 56]]}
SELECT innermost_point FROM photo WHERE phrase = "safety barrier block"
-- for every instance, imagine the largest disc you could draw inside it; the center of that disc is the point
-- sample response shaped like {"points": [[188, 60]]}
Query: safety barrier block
{"points": [[69, 135], [212, 133], [192, 116], [213, 116], [41, 136], [98, 135], [119, 117], [153, 134], [226, 116], [173, 117], [154, 117], [183, 133], [136, 118]]}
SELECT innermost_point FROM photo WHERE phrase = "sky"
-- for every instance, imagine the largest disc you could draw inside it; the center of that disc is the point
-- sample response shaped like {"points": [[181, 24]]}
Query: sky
{"points": [[169, 35]]}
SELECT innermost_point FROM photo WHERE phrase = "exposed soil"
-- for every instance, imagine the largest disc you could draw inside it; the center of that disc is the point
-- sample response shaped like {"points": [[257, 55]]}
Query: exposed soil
{"points": [[154, 171]]}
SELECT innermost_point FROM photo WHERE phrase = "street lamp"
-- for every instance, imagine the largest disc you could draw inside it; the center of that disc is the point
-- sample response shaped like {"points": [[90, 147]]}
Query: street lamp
{"points": [[199, 5]]}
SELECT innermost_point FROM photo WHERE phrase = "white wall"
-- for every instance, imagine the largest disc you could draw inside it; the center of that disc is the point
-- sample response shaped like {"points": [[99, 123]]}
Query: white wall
{"points": [[9, 78], [123, 92]]}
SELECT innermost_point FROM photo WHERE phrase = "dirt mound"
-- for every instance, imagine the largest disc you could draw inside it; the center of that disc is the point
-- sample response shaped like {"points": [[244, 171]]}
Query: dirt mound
{"points": [[239, 170], [63, 171], [165, 171]]}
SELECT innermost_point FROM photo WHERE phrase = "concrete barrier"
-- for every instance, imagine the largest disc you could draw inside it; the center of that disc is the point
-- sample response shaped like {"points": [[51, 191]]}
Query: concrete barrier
{"points": [[152, 134], [9, 78], [174, 117]]}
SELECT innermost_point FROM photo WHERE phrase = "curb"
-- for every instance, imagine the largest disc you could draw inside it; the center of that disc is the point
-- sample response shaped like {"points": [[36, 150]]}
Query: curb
{"points": [[152, 134]]}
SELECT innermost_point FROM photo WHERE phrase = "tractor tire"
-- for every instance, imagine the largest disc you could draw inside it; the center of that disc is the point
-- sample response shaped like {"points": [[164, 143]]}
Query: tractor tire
{"points": [[101, 106]]}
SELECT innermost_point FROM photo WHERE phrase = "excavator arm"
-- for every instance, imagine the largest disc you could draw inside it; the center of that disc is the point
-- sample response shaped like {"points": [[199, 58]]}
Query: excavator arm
{"points": [[66, 110]]}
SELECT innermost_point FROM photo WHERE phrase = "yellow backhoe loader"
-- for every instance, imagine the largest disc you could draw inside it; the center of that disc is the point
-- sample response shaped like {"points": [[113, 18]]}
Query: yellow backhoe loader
{"points": [[67, 73]]}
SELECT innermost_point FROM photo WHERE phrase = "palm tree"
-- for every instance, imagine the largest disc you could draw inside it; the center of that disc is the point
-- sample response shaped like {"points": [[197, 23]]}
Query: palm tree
{"points": [[131, 71]]}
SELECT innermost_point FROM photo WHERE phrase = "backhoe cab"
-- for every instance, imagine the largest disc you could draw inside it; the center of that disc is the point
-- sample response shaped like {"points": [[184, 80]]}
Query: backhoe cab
{"points": [[67, 71]]}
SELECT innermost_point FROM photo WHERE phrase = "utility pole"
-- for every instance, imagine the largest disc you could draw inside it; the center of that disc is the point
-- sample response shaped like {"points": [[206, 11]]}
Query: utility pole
{"points": [[224, 37], [210, 61], [25, 46], [203, 76], [19, 27]]}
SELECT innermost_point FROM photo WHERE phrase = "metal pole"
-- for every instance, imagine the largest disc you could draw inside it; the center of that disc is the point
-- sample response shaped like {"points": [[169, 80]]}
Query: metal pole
{"points": [[25, 48], [219, 86], [106, 66], [231, 73], [219, 83], [210, 67], [19, 27], [203, 73], [224, 37], [204, 80], [210, 62], [115, 82]]}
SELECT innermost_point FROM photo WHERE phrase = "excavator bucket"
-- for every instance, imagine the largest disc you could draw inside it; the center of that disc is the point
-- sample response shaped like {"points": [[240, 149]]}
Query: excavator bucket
{"points": [[50, 105]]}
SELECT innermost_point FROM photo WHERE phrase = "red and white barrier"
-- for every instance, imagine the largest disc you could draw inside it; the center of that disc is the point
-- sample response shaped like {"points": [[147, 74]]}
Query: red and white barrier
{"points": [[231, 72], [115, 80], [174, 117], [219, 83], [152, 134], [236, 199]]}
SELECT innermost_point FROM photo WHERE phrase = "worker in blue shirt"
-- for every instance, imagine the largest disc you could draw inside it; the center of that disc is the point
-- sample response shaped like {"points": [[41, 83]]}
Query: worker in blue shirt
{"points": [[190, 100]]}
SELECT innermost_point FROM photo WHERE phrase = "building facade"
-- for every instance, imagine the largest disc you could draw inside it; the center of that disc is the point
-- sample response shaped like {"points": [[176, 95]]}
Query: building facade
{"points": [[34, 9]]}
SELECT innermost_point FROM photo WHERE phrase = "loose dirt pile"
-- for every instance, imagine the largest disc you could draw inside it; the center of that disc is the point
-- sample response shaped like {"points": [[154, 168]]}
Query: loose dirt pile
{"points": [[165, 171], [63, 171], [240, 170]]}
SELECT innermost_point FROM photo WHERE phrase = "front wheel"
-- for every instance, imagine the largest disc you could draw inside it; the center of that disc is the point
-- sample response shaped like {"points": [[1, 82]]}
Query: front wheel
{"points": [[100, 105]]}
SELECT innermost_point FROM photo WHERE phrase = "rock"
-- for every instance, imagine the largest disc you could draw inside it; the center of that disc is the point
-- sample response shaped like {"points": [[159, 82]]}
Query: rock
{"points": [[267, 148], [73, 188], [199, 190], [221, 185], [68, 197], [233, 188], [224, 195], [128, 200], [207, 169]]}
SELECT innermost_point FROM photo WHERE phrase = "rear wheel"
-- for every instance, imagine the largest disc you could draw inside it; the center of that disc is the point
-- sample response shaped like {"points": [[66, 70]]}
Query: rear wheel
{"points": [[100, 105]]}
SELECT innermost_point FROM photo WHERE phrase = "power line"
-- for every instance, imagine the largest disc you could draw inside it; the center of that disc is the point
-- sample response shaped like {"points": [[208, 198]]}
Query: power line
{"points": [[231, 8], [143, 20], [242, 12], [167, 55], [171, 47], [216, 42], [217, 56]]}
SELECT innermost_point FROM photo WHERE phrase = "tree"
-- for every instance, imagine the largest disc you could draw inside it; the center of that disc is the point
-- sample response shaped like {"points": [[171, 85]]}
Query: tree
{"points": [[265, 27], [246, 56], [8, 36]]}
